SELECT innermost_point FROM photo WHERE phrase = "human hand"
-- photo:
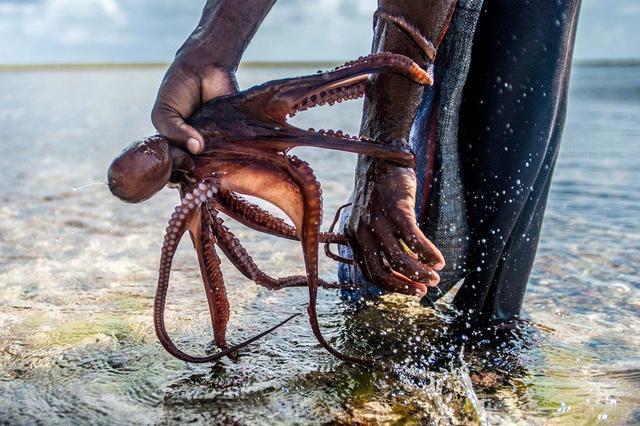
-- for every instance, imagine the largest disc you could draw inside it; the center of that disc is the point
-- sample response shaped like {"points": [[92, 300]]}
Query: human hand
{"points": [[184, 88], [390, 249]]}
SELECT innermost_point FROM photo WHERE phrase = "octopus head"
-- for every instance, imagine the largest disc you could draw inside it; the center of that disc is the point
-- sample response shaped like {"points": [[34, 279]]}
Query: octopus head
{"points": [[141, 170]]}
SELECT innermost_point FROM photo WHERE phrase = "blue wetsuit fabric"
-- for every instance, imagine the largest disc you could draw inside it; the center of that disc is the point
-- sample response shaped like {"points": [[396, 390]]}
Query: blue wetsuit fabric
{"points": [[486, 138]]}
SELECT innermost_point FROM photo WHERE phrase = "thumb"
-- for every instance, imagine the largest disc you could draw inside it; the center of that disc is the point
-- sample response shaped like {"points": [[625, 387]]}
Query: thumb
{"points": [[171, 124]]}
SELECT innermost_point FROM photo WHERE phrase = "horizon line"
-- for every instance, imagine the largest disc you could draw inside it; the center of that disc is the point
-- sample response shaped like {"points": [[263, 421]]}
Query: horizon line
{"points": [[141, 65], [252, 64]]}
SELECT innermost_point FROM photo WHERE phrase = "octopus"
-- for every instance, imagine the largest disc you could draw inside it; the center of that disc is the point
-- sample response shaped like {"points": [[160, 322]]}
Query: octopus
{"points": [[247, 152]]}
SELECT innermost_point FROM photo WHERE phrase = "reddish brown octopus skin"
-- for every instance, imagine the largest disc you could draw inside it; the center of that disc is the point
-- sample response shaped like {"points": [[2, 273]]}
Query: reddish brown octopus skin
{"points": [[247, 140]]}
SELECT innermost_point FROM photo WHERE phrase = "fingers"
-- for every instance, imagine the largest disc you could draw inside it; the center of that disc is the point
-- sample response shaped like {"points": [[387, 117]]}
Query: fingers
{"points": [[405, 263], [178, 97], [421, 245], [371, 265], [172, 125], [182, 91]]}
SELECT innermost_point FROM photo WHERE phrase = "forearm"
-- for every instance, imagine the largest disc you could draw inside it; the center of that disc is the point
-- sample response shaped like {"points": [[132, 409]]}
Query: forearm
{"points": [[224, 32], [391, 100]]}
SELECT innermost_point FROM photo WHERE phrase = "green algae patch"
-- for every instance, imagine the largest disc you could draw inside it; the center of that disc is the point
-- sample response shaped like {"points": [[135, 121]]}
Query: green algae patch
{"points": [[132, 304], [72, 333], [94, 329]]}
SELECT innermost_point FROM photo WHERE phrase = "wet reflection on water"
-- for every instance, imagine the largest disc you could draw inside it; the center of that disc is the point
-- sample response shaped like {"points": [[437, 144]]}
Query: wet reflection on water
{"points": [[78, 270]]}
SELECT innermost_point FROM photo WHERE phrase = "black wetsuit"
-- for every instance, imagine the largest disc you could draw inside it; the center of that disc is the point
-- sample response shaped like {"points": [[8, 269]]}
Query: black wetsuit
{"points": [[490, 130]]}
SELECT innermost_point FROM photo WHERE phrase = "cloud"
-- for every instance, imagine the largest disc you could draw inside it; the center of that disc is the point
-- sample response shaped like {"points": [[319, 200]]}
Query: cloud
{"points": [[67, 21], [37, 31], [92, 30], [318, 29]]}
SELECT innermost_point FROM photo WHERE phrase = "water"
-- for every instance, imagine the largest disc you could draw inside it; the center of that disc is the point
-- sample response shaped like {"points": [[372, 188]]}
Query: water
{"points": [[78, 271]]}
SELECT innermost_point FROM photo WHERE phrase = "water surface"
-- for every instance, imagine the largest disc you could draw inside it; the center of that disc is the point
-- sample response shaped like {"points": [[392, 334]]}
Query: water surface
{"points": [[78, 271]]}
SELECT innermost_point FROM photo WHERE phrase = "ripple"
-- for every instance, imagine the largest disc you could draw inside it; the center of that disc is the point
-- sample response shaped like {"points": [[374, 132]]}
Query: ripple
{"points": [[77, 270]]}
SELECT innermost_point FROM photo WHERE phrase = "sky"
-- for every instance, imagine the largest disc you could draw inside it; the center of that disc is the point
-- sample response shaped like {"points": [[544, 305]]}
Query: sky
{"points": [[84, 31]]}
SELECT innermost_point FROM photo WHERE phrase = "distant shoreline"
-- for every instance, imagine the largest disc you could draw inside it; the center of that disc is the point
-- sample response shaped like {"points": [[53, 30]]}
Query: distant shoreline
{"points": [[152, 65], [256, 65]]}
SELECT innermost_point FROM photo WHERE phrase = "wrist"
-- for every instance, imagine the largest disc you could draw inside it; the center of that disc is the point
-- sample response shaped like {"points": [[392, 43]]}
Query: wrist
{"points": [[223, 33], [197, 59], [373, 172]]}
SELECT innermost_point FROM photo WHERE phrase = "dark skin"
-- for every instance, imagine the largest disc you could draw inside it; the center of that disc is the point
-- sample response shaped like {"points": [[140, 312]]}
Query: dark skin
{"points": [[384, 202], [204, 67], [382, 229]]}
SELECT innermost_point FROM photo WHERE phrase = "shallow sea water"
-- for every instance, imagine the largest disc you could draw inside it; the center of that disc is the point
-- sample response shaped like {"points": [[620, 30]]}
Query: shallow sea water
{"points": [[78, 271]]}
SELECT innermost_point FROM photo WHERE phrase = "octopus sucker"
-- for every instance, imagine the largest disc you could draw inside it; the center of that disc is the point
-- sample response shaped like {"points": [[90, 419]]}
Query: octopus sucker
{"points": [[246, 153]]}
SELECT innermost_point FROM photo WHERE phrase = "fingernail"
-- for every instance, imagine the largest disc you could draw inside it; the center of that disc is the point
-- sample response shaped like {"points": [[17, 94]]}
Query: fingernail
{"points": [[437, 265], [421, 291], [194, 145]]}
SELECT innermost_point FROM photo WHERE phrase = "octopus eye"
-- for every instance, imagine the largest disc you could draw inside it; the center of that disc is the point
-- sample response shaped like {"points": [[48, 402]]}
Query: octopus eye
{"points": [[141, 170]]}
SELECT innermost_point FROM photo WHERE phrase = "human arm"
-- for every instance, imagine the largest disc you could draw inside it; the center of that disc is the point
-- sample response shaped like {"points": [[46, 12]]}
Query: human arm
{"points": [[383, 217], [205, 66]]}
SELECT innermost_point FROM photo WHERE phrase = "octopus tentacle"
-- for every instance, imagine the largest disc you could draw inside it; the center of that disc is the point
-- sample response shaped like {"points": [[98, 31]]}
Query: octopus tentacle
{"points": [[310, 188], [253, 216], [393, 154], [410, 30], [176, 229], [247, 139], [214, 282], [327, 244], [237, 254]]}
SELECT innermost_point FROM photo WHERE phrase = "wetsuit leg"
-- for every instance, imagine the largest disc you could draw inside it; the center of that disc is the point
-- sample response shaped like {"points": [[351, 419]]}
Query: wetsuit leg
{"points": [[511, 120]]}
